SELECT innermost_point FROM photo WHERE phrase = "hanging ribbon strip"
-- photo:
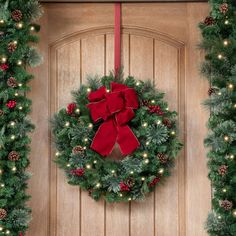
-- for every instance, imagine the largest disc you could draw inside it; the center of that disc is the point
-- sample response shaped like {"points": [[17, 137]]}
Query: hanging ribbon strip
{"points": [[117, 54], [115, 108]]}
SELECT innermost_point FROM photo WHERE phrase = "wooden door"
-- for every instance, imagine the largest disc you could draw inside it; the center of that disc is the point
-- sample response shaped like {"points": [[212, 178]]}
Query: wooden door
{"points": [[159, 42]]}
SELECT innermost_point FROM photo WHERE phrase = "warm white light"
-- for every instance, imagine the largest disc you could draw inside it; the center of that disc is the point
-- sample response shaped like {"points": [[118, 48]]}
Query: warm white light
{"points": [[137, 83], [67, 124], [220, 56], [224, 190], [147, 143], [98, 185], [57, 154], [19, 25], [121, 195], [231, 157], [20, 108], [234, 213], [153, 101], [7, 232], [90, 125], [226, 22], [131, 172], [16, 94], [145, 155], [88, 166], [130, 199], [95, 162], [108, 90], [12, 123], [1, 228], [146, 161], [161, 171], [13, 137], [88, 90], [113, 171], [1, 21], [167, 108], [230, 86], [173, 133], [2, 185], [20, 85], [19, 63], [145, 124], [219, 93], [3, 59], [226, 43], [32, 28], [84, 148], [85, 140], [14, 168], [143, 178], [68, 165], [226, 138], [158, 122]]}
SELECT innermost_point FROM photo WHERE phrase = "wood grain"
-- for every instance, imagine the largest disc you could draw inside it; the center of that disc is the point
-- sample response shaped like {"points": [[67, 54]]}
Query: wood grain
{"points": [[158, 43]]}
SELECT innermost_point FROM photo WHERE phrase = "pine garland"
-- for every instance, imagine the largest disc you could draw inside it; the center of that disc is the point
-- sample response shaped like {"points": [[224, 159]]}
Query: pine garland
{"points": [[17, 33], [219, 43]]}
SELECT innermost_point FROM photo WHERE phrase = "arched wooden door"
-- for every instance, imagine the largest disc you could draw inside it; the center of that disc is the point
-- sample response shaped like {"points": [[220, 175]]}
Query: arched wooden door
{"points": [[158, 43]]}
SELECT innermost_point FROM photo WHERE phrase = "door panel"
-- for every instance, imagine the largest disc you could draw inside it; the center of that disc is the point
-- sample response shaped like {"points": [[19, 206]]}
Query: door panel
{"points": [[158, 43]]}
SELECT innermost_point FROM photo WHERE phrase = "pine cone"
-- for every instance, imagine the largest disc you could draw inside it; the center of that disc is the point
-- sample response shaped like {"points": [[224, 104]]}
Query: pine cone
{"points": [[1, 112], [78, 150], [162, 157], [227, 205], [209, 20], [167, 123], [11, 82], [130, 182], [13, 156], [12, 46], [211, 91], [222, 170], [3, 213], [16, 15], [224, 7]]}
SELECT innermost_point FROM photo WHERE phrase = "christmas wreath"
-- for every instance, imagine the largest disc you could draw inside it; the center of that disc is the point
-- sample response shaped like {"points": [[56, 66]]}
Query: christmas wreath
{"points": [[124, 115]]}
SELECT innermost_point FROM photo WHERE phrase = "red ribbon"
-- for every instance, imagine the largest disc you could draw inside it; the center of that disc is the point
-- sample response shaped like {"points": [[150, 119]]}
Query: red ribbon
{"points": [[117, 37], [115, 108]]}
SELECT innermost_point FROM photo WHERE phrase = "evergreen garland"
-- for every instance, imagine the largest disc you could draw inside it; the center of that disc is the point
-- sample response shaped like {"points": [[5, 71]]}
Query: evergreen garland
{"points": [[17, 33], [219, 43], [136, 174]]}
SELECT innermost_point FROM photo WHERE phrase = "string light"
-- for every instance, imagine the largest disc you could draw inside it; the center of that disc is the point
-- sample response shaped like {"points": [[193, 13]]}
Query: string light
{"points": [[219, 93], [88, 166], [173, 133], [167, 108], [20, 108], [161, 171], [113, 172], [231, 157], [20, 85], [68, 165], [32, 28], [226, 22], [90, 125], [67, 124], [226, 138], [121, 195], [19, 25], [224, 190], [13, 137], [146, 161], [143, 178], [158, 122], [137, 83], [2, 185], [145, 155], [3, 59], [8, 232], [219, 217], [16, 94], [98, 185], [131, 172], [130, 199], [220, 56], [145, 124], [57, 154], [14, 169], [230, 86], [234, 213], [85, 140], [1, 171], [226, 42], [88, 90], [147, 143], [19, 63], [1, 21], [12, 123], [84, 148], [95, 162], [153, 101], [108, 90], [77, 110], [1, 228]]}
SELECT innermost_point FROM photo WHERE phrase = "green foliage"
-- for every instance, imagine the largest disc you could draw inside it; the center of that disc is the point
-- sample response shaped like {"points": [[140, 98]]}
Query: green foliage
{"points": [[102, 176], [14, 124], [220, 69]]}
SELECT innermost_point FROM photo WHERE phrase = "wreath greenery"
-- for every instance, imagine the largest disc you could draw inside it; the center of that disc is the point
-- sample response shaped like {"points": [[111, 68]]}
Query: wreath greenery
{"points": [[136, 174]]}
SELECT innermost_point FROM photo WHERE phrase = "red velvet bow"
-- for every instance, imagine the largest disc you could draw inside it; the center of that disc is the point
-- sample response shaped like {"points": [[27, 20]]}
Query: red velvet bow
{"points": [[115, 108]]}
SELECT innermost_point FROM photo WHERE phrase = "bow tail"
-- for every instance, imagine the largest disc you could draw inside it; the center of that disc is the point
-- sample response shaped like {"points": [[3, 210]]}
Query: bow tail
{"points": [[105, 138], [127, 140]]}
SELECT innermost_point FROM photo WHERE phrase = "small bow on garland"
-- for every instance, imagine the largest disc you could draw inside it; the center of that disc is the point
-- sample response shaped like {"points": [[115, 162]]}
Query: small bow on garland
{"points": [[115, 108]]}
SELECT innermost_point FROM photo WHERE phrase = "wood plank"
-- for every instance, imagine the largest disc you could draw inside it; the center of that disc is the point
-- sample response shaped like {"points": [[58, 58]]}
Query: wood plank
{"points": [[141, 66], [93, 215], [168, 196], [68, 78], [199, 191]]}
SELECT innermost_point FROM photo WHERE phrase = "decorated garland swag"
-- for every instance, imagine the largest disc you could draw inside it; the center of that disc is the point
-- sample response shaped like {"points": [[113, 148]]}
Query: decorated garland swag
{"points": [[108, 113]]}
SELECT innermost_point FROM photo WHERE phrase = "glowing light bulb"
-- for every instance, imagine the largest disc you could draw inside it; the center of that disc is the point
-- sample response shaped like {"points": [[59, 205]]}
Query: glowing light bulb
{"points": [[167, 108], [13, 137], [68, 165], [1, 21], [147, 143], [113, 172], [231, 157], [98, 185], [230, 86], [85, 140], [16, 94], [220, 56], [12, 123], [158, 122], [67, 124], [129, 199], [19, 25], [57, 154], [145, 124], [219, 217], [121, 195], [84, 148], [146, 161], [131, 172], [226, 22], [234, 213], [224, 190], [14, 169], [19, 63], [88, 90], [145, 155], [137, 83], [8, 232], [32, 28], [226, 138], [153, 101], [2, 185], [3, 59], [95, 162], [219, 93], [20, 108], [1, 228], [88, 166], [161, 171], [173, 133], [20, 85], [143, 178], [226, 43], [108, 90], [90, 125]]}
